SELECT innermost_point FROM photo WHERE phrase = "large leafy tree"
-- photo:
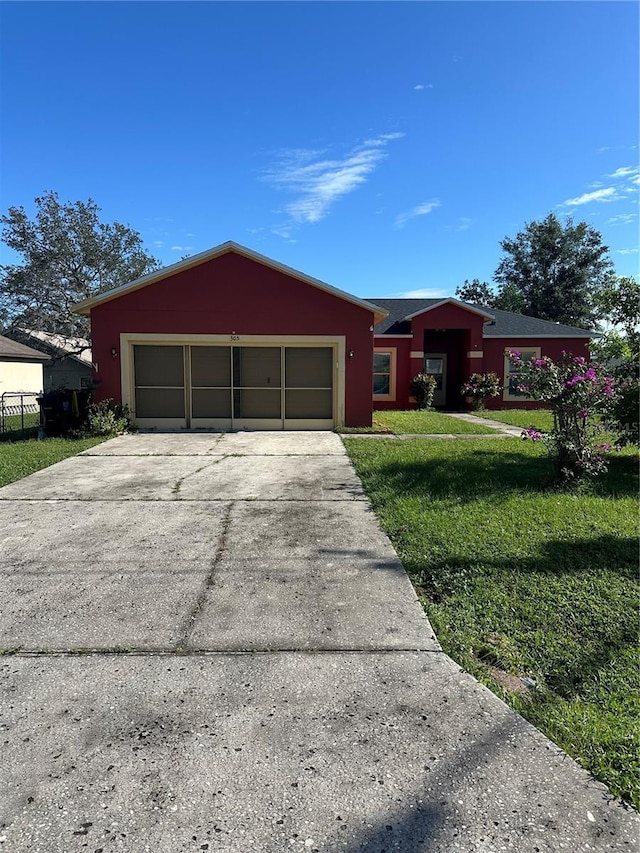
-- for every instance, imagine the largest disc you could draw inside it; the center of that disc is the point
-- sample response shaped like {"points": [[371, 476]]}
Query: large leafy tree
{"points": [[68, 255], [557, 270], [477, 292], [619, 303], [620, 348]]}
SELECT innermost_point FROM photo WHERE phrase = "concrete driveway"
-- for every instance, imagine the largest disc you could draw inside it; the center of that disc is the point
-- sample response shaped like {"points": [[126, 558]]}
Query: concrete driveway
{"points": [[214, 647]]}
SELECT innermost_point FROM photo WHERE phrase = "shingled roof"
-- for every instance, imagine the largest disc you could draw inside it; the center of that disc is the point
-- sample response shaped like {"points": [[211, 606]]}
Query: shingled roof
{"points": [[505, 325], [55, 346], [19, 352]]}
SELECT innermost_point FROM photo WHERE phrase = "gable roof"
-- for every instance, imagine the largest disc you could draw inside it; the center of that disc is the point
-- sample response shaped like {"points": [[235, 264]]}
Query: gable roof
{"points": [[86, 305], [449, 300], [19, 352], [501, 324], [56, 346]]}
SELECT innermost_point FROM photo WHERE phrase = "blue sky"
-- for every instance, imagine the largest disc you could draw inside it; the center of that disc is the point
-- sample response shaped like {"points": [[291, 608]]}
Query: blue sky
{"points": [[386, 148]]}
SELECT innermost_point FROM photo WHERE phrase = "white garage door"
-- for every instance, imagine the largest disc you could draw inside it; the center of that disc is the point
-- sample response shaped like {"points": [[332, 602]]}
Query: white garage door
{"points": [[234, 387]]}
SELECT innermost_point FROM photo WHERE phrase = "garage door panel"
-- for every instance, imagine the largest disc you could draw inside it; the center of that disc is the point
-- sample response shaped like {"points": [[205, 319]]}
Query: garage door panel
{"points": [[211, 367], [211, 403], [256, 367], [260, 403], [309, 404], [159, 365], [160, 403], [308, 367]]}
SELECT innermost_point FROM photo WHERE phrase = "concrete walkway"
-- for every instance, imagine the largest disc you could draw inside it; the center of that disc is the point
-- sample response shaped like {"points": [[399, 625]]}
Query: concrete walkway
{"points": [[215, 648], [506, 429], [495, 429]]}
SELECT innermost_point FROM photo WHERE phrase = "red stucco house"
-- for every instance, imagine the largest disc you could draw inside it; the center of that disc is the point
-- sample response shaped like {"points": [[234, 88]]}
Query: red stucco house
{"points": [[452, 340], [230, 339]]}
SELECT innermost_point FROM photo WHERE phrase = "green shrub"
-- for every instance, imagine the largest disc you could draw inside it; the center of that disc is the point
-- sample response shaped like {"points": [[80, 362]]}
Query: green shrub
{"points": [[624, 414], [108, 417], [423, 388]]}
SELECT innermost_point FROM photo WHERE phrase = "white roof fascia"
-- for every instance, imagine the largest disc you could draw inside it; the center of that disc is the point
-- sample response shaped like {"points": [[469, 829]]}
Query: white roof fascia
{"points": [[452, 301], [86, 305], [587, 334]]}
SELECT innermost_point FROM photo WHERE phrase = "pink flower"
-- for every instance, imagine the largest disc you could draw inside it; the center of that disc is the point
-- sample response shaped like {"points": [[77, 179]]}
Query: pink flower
{"points": [[584, 413], [540, 362], [531, 433], [579, 360], [590, 374]]}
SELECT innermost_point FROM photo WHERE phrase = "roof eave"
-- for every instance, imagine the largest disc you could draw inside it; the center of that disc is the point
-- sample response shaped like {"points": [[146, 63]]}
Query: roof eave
{"points": [[450, 300], [587, 334], [86, 305]]}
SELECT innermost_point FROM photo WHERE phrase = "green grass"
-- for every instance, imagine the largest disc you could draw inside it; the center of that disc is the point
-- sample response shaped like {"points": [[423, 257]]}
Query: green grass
{"points": [[12, 426], [20, 458], [541, 419], [417, 422], [517, 576]]}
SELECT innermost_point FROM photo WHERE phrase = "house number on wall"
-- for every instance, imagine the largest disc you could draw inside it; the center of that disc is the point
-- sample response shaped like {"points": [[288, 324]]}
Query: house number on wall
{"points": [[235, 337]]}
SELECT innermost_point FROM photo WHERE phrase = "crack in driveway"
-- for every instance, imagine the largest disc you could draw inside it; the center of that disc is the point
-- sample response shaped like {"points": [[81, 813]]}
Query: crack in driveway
{"points": [[191, 618], [178, 484]]}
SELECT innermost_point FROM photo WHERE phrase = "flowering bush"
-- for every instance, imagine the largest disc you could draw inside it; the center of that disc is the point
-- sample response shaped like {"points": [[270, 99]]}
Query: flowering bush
{"points": [[480, 387], [576, 392], [423, 387]]}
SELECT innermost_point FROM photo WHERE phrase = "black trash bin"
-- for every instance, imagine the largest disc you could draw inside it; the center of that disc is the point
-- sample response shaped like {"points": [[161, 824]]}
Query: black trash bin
{"points": [[63, 411]]}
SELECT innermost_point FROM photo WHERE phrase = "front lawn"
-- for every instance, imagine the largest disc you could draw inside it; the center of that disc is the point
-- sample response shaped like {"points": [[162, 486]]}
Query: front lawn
{"points": [[421, 422], [20, 458], [521, 580], [541, 419]]}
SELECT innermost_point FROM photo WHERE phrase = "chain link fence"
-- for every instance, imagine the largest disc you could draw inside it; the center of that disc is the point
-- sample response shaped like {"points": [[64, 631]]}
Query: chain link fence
{"points": [[19, 415]]}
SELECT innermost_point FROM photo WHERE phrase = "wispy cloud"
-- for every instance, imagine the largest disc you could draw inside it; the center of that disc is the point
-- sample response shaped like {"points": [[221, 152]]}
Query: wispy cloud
{"points": [[283, 231], [626, 252], [423, 293], [620, 184], [181, 248], [318, 181], [158, 243], [420, 210], [420, 86], [605, 194], [624, 172], [464, 223], [622, 219]]}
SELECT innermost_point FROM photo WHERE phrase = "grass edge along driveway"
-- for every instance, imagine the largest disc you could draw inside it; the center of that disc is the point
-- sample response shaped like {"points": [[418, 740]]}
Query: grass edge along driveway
{"points": [[18, 459], [524, 584]]}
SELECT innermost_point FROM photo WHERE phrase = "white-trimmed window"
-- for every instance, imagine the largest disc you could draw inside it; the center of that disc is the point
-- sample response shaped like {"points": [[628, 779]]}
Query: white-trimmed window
{"points": [[510, 381], [384, 373]]}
